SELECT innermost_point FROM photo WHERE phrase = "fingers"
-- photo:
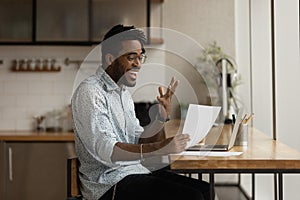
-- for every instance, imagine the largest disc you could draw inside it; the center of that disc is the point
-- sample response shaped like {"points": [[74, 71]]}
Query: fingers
{"points": [[172, 80], [161, 91], [170, 90], [179, 146], [181, 140], [183, 137], [172, 87], [176, 144]]}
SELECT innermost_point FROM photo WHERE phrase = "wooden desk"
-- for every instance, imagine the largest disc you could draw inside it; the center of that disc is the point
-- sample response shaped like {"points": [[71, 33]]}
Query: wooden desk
{"points": [[262, 155]]}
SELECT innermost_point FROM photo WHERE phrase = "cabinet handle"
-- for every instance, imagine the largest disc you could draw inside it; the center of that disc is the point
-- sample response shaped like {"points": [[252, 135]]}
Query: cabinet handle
{"points": [[10, 163]]}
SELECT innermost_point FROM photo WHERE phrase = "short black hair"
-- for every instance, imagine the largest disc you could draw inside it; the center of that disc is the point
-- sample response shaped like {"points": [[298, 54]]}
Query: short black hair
{"points": [[113, 38]]}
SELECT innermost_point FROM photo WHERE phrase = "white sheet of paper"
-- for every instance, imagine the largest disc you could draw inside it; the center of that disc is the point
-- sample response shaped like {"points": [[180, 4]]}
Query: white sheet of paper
{"points": [[198, 122], [209, 153]]}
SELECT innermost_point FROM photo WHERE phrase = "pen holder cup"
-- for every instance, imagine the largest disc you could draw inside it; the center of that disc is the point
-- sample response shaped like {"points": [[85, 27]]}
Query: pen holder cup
{"points": [[242, 135]]}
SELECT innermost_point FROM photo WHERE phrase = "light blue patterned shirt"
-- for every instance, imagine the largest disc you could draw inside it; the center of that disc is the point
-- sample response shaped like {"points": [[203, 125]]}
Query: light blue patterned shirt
{"points": [[103, 115]]}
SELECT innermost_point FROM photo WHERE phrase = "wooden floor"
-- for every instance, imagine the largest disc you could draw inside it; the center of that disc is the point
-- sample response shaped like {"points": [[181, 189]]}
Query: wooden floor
{"points": [[229, 193]]}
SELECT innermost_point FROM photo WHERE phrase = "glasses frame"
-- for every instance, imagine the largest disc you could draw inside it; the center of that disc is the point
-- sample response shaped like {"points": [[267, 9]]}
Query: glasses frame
{"points": [[131, 57]]}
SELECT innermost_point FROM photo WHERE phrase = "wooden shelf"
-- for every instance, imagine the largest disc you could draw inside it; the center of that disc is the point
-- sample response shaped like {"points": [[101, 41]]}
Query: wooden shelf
{"points": [[57, 69]]}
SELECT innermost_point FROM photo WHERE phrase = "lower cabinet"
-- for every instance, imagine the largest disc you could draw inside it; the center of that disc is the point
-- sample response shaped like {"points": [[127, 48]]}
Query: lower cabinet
{"points": [[34, 170]]}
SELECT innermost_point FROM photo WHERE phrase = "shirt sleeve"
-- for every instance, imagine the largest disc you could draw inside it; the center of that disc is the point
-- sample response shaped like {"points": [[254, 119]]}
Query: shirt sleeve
{"points": [[137, 128], [92, 125]]}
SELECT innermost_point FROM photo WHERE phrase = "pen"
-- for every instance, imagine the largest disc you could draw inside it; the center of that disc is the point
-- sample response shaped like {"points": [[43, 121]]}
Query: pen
{"points": [[249, 118], [244, 118]]}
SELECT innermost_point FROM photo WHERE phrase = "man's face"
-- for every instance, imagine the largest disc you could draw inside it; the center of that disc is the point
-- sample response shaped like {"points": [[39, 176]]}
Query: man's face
{"points": [[126, 67]]}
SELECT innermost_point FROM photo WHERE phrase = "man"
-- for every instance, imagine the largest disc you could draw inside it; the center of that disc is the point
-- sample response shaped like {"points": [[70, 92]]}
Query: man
{"points": [[110, 143]]}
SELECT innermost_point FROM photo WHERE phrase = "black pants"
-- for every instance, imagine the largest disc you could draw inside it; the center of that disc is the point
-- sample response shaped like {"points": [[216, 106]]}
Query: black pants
{"points": [[159, 185]]}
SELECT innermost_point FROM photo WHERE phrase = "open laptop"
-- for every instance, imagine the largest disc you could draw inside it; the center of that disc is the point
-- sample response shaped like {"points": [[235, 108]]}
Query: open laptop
{"points": [[221, 147]]}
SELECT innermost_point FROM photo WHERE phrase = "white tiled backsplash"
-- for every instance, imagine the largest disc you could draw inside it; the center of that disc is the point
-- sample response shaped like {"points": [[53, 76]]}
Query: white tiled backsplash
{"points": [[24, 95]]}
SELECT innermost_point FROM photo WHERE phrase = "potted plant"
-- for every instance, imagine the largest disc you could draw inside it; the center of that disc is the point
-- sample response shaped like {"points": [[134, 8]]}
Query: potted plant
{"points": [[210, 67]]}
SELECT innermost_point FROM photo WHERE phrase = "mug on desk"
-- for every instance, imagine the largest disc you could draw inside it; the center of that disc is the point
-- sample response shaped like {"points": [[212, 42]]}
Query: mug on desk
{"points": [[242, 135]]}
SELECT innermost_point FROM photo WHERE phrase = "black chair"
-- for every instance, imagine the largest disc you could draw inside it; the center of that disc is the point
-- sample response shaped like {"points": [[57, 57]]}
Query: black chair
{"points": [[73, 190]]}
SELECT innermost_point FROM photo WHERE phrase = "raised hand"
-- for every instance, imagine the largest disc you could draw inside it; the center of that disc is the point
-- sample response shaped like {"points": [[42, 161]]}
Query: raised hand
{"points": [[164, 99]]}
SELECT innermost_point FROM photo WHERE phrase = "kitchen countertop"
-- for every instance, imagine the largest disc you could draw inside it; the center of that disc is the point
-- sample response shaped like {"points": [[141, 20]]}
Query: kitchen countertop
{"points": [[34, 136], [172, 128]]}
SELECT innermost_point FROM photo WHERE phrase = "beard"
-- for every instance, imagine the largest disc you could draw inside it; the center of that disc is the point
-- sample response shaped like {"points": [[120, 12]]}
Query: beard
{"points": [[121, 76], [124, 80]]}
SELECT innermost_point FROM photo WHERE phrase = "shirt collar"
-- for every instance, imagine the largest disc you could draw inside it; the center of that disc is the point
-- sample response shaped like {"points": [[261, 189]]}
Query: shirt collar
{"points": [[108, 82]]}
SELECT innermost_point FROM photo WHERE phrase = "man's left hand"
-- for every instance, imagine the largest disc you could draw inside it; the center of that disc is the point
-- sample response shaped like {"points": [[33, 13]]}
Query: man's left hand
{"points": [[165, 98]]}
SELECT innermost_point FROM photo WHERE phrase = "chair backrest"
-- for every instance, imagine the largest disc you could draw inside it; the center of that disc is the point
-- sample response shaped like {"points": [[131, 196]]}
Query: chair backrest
{"points": [[73, 189]]}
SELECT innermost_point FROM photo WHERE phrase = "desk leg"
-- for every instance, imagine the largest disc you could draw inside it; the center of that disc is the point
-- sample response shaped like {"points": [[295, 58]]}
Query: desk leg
{"points": [[275, 187], [280, 185], [212, 185], [253, 186], [199, 176]]}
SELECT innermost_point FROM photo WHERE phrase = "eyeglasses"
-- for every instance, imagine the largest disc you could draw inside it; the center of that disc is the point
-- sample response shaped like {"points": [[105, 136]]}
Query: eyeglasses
{"points": [[134, 57]]}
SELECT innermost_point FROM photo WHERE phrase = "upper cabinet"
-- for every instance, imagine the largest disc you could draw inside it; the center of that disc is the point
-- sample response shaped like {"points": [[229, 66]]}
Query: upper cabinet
{"points": [[62, 20], [106, 13], [16, 20], [68, 22]]}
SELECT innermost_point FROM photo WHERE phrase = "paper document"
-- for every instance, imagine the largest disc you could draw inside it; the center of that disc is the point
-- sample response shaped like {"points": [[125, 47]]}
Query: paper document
{"points": [[198, 122], [209, 153]]}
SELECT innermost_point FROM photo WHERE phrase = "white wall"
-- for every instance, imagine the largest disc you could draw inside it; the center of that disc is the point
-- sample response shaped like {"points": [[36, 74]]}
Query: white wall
{"points": [[287, 63], [203, 20], [243, 52], [24, 95], [287, 71], [243, 59], [261, 63], [261, 76]]}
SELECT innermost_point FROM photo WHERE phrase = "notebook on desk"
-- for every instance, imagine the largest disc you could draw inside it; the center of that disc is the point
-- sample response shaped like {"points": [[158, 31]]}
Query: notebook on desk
{"points": [[221, 147]]}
